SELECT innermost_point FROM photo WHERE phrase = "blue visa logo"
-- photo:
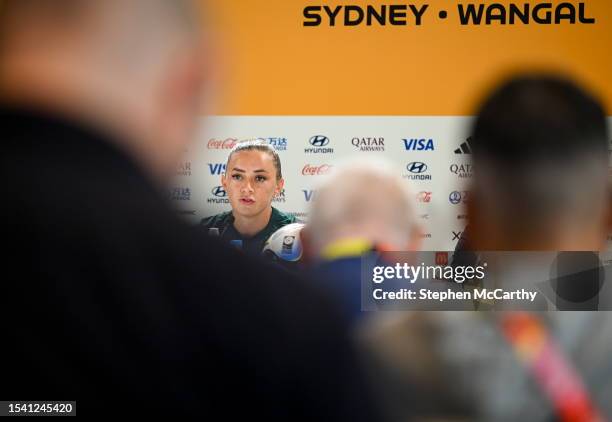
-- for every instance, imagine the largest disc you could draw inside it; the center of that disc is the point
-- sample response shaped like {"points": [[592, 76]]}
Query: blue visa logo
{"points": [[216, 169], [308, 195], [414, 144]]}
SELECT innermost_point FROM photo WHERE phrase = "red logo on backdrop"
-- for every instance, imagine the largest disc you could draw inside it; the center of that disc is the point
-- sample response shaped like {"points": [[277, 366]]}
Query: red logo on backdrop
{"points": [[309, 170], [442, 258], [424, 196], [227, 143]]}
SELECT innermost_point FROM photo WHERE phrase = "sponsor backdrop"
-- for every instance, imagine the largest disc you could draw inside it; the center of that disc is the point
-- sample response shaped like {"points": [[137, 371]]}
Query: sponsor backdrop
{"points": [[432, 154], [324, 81]]}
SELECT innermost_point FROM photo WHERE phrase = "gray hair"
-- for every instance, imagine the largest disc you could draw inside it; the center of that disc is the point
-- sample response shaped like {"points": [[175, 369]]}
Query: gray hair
{"points": [[363, 198]]}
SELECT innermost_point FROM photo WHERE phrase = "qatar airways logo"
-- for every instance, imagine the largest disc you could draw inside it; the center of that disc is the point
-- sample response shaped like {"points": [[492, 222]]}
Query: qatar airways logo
{"points": [[280, 198], [309, 170], [227, 143], [462, 171], [184, 169], [369, 144]]}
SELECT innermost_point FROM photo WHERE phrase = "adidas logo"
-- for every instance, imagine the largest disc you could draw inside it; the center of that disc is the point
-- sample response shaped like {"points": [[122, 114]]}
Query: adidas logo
{"points": [[465, 147]]}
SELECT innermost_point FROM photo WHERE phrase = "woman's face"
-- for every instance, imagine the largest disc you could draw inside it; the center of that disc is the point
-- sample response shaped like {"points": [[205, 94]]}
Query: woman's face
{"points": [[250, 182]]}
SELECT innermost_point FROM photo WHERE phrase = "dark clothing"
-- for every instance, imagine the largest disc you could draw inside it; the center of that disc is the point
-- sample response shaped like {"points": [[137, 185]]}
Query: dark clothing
{"points": [[113, 302], [464, 256], [342, 277], [253, 245]]}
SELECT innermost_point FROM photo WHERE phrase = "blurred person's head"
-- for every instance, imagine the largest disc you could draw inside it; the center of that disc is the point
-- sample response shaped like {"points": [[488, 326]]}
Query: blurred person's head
{"points": [[133, 68], [362, 200], [540, 158], [252, 179]]}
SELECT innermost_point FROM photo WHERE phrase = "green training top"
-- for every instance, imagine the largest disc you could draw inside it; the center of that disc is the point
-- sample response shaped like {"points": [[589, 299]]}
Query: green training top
{"points": [[224, 222]]}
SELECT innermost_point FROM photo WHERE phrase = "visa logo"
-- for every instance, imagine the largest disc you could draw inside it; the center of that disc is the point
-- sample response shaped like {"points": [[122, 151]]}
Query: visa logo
{"points": [[217, 169], [308, 195], [414, 144]]}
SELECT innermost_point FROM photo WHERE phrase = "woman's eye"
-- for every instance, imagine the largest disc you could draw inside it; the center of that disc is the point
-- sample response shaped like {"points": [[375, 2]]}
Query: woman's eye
{"points": [[260, 178], [236, 176]]}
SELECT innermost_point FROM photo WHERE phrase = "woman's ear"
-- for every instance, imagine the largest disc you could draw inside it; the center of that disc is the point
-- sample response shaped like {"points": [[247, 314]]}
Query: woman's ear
{"points": [[280, 184]]}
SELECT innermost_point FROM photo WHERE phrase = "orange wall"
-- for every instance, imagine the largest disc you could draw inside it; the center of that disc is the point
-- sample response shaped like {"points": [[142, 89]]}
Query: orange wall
{"points": [[272, 65]]}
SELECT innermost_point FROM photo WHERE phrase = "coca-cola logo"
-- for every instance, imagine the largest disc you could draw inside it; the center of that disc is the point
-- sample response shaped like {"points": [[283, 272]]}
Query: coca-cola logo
{"points": [[227, 143], [309, 170]]}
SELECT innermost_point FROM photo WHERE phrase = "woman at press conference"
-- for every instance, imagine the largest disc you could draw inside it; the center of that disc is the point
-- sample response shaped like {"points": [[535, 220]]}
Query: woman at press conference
{"points": [[252, 179]]}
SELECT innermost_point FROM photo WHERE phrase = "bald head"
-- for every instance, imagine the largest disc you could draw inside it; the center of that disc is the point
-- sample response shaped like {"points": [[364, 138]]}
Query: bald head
{"points": [[132, 67], [363, 199]]}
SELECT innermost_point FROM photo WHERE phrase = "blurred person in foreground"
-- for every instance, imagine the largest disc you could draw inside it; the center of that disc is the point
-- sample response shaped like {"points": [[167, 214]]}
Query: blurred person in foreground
{"points": [[111, 301], [364, 206], [540, 184], [253, 178]]}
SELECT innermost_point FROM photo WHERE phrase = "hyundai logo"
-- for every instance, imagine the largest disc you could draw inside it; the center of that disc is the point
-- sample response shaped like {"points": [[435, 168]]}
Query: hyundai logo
{"points": [[454, 197], [319, 141], [219, 192], [417, 167]]}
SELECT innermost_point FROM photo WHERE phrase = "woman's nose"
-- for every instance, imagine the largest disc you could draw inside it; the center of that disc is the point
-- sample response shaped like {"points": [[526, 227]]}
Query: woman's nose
{"points": [[246, 187]]}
